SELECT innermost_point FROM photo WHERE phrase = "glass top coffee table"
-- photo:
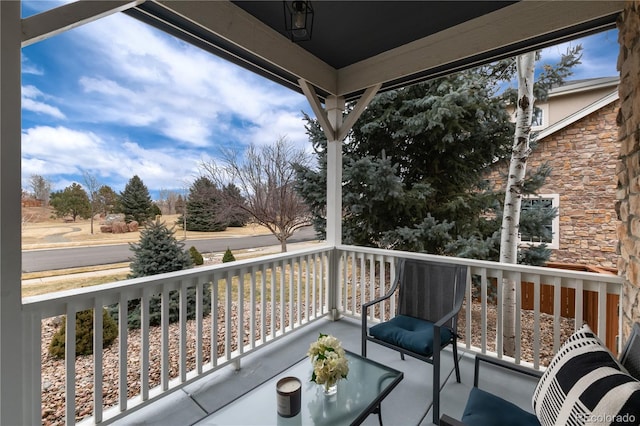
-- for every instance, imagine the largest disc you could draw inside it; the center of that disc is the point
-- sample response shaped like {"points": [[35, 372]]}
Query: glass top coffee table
{"points": [[368, 383]]}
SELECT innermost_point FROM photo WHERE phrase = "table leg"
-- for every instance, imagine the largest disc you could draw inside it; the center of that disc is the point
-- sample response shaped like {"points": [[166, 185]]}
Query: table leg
{"points": [[378, 411]]}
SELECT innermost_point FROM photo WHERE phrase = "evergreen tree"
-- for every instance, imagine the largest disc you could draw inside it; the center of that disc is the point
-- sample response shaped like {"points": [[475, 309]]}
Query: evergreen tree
{"points": [[135, 201], [108, 201], [228, 256], [205, 211], [233, 199], [157, 252], [414, 169], [72, 201], [196, 256], [180, 205]]}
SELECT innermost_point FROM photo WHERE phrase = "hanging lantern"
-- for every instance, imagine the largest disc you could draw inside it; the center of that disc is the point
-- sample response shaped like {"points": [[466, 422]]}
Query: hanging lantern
{"points": [[298, 17]]}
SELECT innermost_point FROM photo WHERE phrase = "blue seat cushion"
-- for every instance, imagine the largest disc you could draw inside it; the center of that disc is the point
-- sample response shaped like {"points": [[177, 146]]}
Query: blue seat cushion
{"points": [[486, 409], [410, 333]]}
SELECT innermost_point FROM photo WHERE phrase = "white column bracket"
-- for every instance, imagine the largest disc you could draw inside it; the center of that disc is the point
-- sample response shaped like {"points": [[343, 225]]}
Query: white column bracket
{"points": [[357, 111], [341, 132]]}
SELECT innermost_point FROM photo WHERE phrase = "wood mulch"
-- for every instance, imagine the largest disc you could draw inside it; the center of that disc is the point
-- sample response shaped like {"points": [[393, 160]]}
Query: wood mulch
{"points": [[566, 326]]}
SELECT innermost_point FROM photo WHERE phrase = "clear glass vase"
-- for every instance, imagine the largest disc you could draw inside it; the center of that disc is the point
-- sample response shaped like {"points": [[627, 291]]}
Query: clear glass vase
{"points": [[329, 390]]}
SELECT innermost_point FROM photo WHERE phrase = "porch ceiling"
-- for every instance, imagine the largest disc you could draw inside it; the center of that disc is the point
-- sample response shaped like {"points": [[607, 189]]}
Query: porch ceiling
{"points": [[357, 44]]}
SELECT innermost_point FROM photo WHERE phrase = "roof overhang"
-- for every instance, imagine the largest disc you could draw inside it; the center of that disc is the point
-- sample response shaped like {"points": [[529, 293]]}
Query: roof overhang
{"points": [[356, 44], [456, 35]]}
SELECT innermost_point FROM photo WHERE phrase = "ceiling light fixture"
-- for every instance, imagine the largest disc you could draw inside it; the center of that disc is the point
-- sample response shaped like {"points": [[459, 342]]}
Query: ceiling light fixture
{"points": [[298, 18]]}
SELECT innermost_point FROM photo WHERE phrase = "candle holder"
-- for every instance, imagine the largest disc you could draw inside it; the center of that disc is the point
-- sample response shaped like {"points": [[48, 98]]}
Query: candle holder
{"points": [[289, 390]]}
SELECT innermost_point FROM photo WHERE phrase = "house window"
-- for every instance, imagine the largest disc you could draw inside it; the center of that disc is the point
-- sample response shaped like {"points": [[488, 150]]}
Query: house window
{"points": [[552, 237], [538, 116]]}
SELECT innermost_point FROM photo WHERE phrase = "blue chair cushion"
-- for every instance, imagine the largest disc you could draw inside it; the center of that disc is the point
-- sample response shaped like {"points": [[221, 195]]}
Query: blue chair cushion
{"points": [[410, 333], [486, 409]]}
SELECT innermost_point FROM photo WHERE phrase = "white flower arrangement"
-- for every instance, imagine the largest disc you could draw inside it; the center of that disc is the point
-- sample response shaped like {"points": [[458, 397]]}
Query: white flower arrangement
{"points": [[329, 361]]}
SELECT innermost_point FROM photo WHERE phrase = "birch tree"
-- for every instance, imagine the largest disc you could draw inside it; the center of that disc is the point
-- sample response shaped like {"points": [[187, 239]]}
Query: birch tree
{"points": [[524, 104], [525, 66]]}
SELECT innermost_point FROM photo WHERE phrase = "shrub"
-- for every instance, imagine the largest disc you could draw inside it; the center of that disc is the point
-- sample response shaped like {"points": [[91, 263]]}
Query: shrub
{"points": [[155, 305], [84, 334], [195, 256], [228, 256]]}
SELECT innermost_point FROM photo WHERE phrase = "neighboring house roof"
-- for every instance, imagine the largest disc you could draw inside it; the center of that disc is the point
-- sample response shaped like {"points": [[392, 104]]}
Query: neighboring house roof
{"points": [[575, 86], [612, 97]]}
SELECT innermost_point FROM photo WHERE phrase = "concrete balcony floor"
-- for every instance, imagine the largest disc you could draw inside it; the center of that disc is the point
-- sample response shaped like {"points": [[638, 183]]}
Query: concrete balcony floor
{"points": [[409, 403]]}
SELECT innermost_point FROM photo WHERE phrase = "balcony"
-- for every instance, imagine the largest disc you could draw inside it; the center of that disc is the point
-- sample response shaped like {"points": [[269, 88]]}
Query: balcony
{"points": [[172, 374]]}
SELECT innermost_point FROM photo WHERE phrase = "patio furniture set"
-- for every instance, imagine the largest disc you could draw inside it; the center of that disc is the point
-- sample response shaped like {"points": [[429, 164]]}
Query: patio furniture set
{"points": [[584, 383]]}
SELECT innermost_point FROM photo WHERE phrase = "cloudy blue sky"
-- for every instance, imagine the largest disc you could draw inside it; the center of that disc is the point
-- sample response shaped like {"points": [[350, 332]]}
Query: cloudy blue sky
{"points": [[116, 98]]}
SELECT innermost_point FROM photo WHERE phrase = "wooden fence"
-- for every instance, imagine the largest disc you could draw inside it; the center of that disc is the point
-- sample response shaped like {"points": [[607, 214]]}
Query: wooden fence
{"points": [[568, 302]]}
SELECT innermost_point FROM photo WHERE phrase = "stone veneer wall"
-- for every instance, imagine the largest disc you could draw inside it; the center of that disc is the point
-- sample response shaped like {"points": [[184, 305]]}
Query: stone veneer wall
{"points": [[583, 158], [628, 169]]}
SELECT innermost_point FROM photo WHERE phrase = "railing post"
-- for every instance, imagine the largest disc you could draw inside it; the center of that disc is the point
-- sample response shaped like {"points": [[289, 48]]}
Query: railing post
{"points": [[32, 369], [334, 283]]}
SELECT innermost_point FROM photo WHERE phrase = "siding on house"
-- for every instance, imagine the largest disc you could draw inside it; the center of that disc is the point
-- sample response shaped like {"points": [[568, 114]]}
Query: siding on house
{"points": [[583, 158], [563, 100]]}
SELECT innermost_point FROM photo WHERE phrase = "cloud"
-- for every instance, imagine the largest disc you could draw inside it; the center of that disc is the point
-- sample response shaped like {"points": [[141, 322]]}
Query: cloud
{"points": [[142, 77], [40, 107], [29, 67], [29, 103], [270, 129], [61, 154], [599, 55], [54, 141]]}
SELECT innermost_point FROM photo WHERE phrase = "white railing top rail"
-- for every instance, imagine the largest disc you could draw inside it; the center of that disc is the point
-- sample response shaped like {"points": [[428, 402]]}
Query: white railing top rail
{"points": [[490, 265]]}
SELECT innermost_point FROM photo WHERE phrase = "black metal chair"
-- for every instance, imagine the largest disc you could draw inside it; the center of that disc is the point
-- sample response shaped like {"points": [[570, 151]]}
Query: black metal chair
{"points": [[430, 295], [630, 355]]}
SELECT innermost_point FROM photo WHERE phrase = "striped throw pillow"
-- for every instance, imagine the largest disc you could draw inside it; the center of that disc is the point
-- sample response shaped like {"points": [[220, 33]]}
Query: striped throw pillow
{"points": [[585, 385]]}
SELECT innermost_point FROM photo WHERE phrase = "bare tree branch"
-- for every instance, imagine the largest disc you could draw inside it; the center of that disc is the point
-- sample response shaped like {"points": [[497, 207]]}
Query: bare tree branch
{"points": [[92, 184], [266, 178]]}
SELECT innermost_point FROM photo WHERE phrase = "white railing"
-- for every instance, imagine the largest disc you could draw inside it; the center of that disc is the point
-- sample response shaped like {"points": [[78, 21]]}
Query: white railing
{"points": [[252, 303], [367, 273], [255, 302]]}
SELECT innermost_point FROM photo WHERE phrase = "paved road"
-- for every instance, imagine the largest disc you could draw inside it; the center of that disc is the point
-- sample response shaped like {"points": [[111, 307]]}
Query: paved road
{"points": [[46, 260]]}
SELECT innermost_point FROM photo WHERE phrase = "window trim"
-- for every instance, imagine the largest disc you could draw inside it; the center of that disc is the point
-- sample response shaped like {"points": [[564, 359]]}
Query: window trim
{"points": [[555, 224], [543, 115]]}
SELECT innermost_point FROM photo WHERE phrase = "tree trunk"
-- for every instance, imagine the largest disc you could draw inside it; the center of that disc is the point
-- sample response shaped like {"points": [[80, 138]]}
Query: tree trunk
{"points": [[513, 194], [283, 245]]}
